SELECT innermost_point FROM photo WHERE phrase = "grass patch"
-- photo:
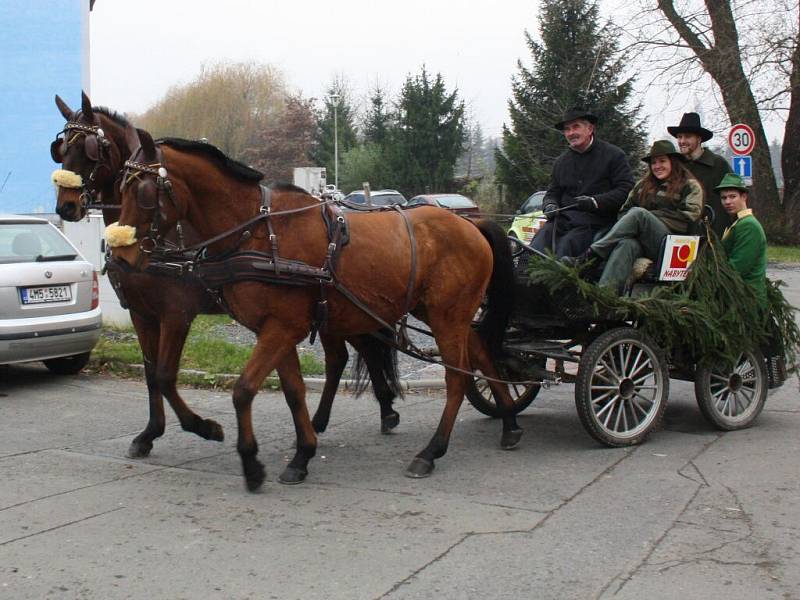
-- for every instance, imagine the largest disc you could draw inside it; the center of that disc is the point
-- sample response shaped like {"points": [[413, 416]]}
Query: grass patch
{"points": [[206, 358], [783, 254]]}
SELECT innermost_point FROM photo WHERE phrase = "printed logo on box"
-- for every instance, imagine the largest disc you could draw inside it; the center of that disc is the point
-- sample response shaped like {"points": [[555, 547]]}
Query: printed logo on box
{"points": [[679, 254]]}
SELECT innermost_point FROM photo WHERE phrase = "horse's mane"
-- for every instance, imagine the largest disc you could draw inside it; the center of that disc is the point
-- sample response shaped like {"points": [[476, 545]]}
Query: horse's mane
{"points": [[113, 115], [234, 167]]}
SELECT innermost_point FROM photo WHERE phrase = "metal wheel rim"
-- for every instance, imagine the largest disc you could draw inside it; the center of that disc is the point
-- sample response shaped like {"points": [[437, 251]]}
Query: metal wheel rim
{"points": [[516, 390], [626, 389], [734, 394]]}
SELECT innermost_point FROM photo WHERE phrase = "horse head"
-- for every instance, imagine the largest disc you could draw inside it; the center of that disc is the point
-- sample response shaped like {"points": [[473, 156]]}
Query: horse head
{"points": [[148, 206], [90, 149]]}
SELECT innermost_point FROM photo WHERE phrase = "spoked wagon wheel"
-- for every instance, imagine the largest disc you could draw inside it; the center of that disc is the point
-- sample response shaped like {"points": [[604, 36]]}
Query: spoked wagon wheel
{"points": [[480, 395], [732, 398], [622, 387]]}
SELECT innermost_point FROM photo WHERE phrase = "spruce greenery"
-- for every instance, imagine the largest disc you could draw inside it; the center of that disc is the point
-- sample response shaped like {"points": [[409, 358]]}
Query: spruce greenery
{"points": [[577, 63], [712, 316]]}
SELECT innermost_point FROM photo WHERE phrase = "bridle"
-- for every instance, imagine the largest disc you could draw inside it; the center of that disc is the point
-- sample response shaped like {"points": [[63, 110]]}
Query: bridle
{"points": [[146, 200], [96, 146], [155, 242]]}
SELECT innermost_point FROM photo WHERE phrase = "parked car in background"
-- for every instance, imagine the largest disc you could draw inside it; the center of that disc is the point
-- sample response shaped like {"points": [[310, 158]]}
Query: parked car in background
{"points": [[377, 198], [529, 218], [49, 297], [461, 205]]}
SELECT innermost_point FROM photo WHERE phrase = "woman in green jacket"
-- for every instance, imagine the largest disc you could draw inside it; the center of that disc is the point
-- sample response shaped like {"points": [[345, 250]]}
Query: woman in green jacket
{"points": [[666, 200], [744, 241]]}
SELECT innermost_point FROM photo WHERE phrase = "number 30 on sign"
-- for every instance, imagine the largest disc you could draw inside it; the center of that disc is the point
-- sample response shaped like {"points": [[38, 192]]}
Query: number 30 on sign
{"points": [[741, 139]]}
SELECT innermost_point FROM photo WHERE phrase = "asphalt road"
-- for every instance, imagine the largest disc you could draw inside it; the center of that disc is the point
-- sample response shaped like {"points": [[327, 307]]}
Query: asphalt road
{"points": [[692, 513]]}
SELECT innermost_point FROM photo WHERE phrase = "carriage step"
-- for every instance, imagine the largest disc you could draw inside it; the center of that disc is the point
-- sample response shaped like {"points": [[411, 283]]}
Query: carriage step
{"points": [[548, 349]]}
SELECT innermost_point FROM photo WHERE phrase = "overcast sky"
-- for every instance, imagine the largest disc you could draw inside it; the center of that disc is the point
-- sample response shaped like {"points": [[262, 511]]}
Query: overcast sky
{"points": [[475, 46]]}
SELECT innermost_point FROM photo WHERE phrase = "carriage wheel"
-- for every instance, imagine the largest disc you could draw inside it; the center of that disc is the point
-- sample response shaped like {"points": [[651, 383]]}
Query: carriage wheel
{"points": [[732, 398], [480, 395], [622, 387]]}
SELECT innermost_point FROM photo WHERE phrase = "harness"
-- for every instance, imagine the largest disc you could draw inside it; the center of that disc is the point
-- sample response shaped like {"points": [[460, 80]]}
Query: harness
{"points": [[214, 272]]}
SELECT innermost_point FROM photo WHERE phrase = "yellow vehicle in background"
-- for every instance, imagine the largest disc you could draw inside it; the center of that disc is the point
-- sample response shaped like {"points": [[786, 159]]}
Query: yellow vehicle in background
{"points": [[529, 218]]}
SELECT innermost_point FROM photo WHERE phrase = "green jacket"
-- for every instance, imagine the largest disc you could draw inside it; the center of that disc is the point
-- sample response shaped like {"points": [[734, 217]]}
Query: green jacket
{"points": [[676, 213], [709, 169], [746, 247]]}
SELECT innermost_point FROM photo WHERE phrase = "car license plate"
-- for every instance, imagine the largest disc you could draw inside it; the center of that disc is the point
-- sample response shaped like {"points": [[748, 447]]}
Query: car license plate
{"points": [[50, 293]]}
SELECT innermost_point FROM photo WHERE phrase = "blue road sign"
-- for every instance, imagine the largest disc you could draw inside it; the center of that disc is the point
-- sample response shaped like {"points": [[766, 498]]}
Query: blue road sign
{"points": [[743, 165]]}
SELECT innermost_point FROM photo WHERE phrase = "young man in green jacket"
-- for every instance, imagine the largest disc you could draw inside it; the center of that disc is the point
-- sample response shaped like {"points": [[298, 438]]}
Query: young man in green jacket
{"points": [[744, 241]]}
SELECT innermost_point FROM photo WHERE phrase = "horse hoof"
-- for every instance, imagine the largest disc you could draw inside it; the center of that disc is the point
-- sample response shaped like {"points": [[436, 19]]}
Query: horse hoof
{"points": [[420, 468], [139, 449], [510, 439], [254, 476], [293, 476], [215, 432], [389, 422], [318, 427]]}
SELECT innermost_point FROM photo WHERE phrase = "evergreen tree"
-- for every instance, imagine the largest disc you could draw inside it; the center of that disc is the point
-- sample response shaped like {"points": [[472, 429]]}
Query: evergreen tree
{"points": [[578, 63], [427, 137], [337, 103], [472, 162], [377, 121]]}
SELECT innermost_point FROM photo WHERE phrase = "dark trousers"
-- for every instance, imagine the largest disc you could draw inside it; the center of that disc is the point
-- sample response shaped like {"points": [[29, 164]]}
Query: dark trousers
{"points": [[638, 233], [571, 240]]}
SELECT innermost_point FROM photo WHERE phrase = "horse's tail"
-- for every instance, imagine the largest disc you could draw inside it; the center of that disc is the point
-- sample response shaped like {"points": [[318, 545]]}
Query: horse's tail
{"points": [[500, 294], [381, 354]]}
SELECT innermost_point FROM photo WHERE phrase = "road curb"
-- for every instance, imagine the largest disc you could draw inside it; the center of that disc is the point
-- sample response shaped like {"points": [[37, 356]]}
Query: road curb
{"points": [[314, 383]]}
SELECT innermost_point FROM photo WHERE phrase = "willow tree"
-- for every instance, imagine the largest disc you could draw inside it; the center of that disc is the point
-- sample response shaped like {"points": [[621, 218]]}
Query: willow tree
{"points": [[228, 104]]}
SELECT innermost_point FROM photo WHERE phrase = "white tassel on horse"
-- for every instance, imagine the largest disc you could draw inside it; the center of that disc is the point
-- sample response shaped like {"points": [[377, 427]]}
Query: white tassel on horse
{"points": [[66, 179], [118, 236]]}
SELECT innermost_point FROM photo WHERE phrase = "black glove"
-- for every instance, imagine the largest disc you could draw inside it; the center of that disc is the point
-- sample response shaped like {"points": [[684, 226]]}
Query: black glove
{"points": [[550, 210], [586, 203]]}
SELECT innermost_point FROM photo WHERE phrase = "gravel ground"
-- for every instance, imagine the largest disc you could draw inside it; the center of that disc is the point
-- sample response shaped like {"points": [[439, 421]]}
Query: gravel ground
{"points": [[408, 367]]}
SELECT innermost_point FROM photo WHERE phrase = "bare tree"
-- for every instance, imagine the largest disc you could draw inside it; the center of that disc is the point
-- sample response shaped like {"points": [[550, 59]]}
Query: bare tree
{"points": [[228, 104], [750, 49]]}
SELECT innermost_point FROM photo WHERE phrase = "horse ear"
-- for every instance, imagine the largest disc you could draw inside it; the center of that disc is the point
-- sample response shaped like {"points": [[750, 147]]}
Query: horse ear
{"points": [[132, 139], [86, 106], [148, 145], [65, 110]]}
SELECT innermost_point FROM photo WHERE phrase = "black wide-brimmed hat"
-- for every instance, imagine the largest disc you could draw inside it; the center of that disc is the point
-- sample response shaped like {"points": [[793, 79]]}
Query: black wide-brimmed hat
{"points": [[576, 112], [690, 123]]}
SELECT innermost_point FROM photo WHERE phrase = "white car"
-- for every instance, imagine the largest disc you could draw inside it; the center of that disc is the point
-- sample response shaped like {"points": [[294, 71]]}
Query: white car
{"points": [[49, 297]]}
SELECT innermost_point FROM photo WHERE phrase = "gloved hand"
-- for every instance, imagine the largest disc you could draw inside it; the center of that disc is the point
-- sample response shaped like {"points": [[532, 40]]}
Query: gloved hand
{"points": [[586, 203], [549, 210]]}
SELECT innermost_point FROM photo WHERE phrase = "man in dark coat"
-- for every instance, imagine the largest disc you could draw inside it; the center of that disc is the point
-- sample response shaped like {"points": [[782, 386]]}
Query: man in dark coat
{"points": [[707, 167], [589, 183]]}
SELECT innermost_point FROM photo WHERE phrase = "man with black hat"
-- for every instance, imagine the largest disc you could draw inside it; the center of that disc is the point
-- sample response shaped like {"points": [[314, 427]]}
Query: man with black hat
{"points": [[589, 183], [707, 167]]}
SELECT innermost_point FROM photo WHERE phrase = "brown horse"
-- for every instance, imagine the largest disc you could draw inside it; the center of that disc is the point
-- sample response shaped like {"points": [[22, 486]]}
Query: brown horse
{"points": [[92, 152], [456, 261]]}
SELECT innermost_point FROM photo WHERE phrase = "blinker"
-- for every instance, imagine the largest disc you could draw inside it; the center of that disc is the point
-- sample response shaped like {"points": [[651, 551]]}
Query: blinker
{"points": [[90, 146], [57, 150]]}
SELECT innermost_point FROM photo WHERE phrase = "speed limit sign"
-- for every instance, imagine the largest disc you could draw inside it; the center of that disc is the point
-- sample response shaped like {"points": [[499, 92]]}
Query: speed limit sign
{"points": [[741, 139]]}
